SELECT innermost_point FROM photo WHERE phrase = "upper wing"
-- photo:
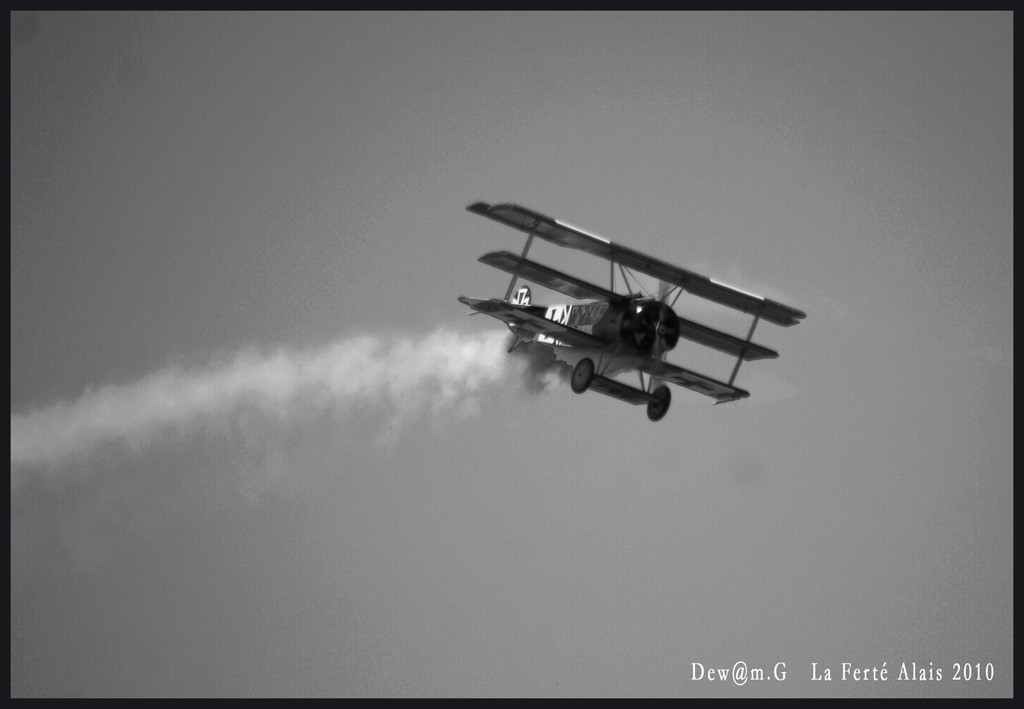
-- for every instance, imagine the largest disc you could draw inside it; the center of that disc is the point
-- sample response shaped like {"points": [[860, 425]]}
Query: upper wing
{"points": [[571, 237], [522, 319], [548, 277], [692, 380]]}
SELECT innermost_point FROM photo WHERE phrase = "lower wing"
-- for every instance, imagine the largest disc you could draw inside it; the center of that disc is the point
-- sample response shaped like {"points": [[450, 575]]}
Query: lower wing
{"points": [[699, 383]]}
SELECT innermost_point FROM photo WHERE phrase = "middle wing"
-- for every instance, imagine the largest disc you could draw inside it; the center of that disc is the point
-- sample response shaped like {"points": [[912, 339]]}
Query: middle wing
{"points": [[692, 380], [548, 277], [578, 288]]}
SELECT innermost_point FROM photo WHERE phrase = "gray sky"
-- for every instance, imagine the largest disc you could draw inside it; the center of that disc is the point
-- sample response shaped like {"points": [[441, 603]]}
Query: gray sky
{"points": [[258, 449]]}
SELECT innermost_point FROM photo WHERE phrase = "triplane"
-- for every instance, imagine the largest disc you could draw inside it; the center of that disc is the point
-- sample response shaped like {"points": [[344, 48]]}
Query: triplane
{"points": [[619, 332]]}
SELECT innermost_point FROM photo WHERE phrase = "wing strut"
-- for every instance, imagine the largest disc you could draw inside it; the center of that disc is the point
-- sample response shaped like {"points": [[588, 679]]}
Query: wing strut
{"points": [[515, 273], [739, 360]]}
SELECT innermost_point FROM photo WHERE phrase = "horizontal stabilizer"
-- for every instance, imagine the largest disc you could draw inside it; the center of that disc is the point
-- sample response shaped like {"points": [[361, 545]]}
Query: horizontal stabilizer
{"points": [[522, 320]]}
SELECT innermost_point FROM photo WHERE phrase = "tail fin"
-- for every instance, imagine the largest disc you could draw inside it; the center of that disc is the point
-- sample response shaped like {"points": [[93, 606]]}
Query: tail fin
{"points": [[522, 297]]}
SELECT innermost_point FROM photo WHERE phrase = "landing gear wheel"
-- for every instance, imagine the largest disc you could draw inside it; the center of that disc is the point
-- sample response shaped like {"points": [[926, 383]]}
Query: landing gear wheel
{"points": [[582, 375], [657, 409]]}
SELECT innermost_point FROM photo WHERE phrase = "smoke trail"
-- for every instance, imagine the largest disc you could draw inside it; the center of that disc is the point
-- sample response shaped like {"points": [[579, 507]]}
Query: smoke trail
{"points": [[401, 377], [541, 369]]}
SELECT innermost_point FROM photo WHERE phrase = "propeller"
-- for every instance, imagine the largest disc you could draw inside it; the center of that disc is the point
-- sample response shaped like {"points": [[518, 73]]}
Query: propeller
{"points": [[666, 328], [651, 327], [656, 328], [668, 323]]}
